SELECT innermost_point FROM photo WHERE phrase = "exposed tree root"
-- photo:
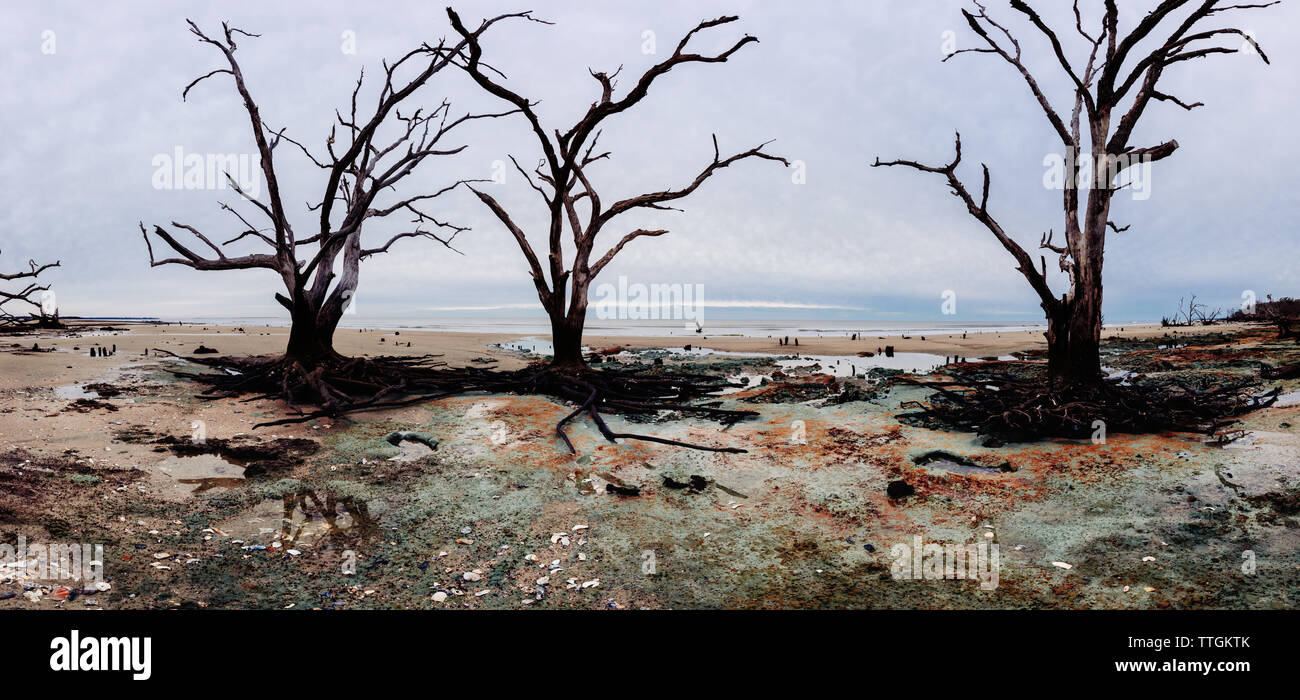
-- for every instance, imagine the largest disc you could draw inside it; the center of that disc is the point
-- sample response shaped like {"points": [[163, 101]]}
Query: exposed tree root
{"points": [[18, 324], [336, 387], [626, 392], [344, 386], [1285, 372], [1026, 409], [1287, 328]]}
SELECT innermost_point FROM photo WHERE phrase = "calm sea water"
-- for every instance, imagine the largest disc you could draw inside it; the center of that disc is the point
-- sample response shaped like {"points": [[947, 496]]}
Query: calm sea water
{"points": [[761, 328]]}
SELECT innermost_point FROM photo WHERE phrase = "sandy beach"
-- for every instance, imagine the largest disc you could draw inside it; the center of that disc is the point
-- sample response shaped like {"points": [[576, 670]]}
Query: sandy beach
{"points": [[458, 349], [974, 345]]}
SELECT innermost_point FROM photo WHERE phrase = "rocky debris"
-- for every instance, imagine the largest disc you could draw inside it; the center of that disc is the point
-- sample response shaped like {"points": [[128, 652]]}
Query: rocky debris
{"points": [[1282, 503], [695, 484], [256, 455], [899, 489], [105, 390], [88, 405], [948, 461], [816, 387]]}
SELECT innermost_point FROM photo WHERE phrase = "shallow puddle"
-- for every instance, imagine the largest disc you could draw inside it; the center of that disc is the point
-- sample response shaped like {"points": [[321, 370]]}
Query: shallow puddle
{"points": [[750, 381], [203, 473], [72, 392], [944, 462], [944, 465], [300, 520], [1291, 398], [411, 451]]}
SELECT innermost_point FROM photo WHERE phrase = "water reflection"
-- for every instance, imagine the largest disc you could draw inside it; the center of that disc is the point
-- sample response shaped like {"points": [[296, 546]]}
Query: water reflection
{"points": [[302, 519], [309, 517]]}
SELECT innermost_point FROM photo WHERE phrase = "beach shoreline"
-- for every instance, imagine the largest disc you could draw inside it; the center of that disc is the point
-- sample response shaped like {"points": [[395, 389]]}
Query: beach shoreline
{"points": [[461, 348]]}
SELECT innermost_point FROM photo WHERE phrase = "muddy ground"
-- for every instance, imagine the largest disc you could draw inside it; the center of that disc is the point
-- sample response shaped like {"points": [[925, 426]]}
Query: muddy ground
{"points": [[473, 502]]}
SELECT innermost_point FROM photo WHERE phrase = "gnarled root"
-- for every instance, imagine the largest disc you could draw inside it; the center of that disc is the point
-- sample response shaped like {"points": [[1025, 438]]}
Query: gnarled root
{"points": [[1026, 409], [347, 385]]}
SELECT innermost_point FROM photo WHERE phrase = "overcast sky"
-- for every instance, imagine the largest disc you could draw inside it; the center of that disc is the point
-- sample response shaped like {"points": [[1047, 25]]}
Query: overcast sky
{"points": [[91, 96]]}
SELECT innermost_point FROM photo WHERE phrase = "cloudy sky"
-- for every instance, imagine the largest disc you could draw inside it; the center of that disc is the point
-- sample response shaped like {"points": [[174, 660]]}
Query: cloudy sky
{"points": [[90, 98]]}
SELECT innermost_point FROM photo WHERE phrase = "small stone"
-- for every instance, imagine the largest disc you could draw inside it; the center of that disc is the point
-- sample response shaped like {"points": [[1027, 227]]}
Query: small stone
{"points": [[439, 597]]}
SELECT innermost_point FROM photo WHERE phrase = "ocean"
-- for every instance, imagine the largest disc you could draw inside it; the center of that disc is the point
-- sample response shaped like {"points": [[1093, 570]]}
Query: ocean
{"points": [[760, 328]]}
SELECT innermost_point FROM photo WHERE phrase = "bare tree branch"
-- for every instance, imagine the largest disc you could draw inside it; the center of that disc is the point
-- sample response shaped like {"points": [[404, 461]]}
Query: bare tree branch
{"points": [[362, 175], [1106, 80], [564, 183]]}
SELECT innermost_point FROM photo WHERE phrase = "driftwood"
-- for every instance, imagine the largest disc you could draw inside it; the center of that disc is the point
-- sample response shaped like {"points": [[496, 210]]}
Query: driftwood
{"points": [[29, 295], [1284, 372], [369, 384], [1020, 409]]}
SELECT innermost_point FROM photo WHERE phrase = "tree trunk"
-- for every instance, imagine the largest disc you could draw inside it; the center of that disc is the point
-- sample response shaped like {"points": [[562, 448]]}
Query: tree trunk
{"points": [[1083, 356], [1073, 347], [1058, 341], [311, 342], [566, 337], [1074, 329], [1078, 334]]}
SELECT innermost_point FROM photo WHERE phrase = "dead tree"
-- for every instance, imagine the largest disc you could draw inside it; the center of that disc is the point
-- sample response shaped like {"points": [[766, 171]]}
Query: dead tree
{"points": [[368, 154], [1195, 312], [1112, 89], [564, 184], [29, 295]]}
